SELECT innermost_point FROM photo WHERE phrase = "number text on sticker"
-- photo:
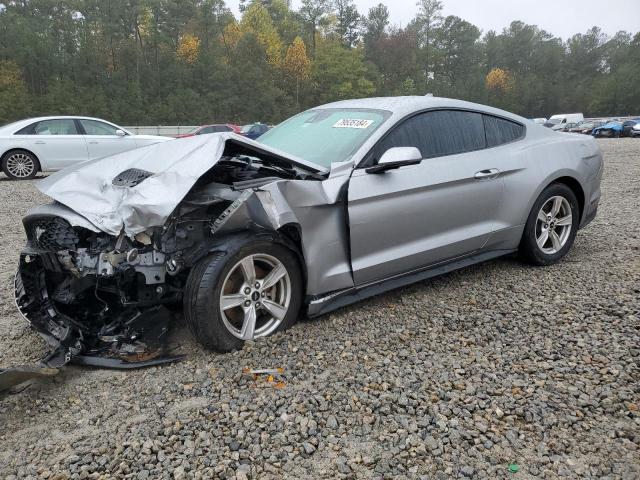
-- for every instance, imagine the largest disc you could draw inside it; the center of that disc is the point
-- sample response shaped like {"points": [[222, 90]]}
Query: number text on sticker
{"points": [[352, 123]]}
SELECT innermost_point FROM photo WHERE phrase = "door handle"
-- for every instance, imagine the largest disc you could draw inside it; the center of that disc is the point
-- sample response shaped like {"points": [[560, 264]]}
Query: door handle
{"points": [[40, 142], [487, 174]]}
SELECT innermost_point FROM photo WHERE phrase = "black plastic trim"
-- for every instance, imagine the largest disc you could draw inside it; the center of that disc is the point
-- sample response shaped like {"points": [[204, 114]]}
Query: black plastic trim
{"points": [[355, 294]]}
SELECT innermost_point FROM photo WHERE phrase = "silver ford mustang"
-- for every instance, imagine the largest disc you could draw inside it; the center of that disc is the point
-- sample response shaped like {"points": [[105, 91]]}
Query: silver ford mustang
{"points": [[334, 205]]}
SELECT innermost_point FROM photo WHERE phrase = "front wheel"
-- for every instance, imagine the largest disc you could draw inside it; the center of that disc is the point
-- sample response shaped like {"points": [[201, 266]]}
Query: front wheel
{"points": [[551, 227], [251, 293], [20, 165]]}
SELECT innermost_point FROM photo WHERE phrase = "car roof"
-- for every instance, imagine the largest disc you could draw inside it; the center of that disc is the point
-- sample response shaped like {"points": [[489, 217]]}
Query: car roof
{"points": [[402, 106], [56, 117]]}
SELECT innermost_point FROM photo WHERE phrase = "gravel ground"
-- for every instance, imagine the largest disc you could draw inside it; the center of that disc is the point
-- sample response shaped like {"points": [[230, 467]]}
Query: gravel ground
{"points": [[495, 368]]}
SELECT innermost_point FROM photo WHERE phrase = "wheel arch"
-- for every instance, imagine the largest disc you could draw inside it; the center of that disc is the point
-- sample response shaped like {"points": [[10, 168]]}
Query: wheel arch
{"points": [[575, 187], [289, 235]]}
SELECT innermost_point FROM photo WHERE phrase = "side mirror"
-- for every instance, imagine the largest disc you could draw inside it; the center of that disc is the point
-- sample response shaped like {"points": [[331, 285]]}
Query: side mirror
{"points": [[120, 133], [396, 157]]}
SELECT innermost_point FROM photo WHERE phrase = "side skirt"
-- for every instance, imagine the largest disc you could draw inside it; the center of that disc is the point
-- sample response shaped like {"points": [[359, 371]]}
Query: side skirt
{"points": [[342, 298]]}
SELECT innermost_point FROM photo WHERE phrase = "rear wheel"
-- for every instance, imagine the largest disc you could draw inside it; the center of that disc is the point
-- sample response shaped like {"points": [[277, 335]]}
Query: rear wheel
{"points": [[20, 165], [252, 293], [551, 227]]}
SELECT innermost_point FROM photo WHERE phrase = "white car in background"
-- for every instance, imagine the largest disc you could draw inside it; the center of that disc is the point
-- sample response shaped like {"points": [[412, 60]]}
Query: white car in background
{"points": [[47, 144], [559, 122]]}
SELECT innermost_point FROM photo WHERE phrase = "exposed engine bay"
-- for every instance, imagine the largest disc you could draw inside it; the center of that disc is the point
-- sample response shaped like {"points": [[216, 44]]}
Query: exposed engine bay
{"points": [[109, 300]]}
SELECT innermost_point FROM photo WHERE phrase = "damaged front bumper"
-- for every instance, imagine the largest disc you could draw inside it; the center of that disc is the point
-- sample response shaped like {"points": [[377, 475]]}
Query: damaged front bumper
{"points": [[103, 309], [134, 340]]}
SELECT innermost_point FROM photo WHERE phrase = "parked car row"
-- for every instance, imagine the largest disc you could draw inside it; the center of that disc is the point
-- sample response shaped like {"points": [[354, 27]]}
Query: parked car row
{"points": [[575, 123], [48, 144], [617, 129]]}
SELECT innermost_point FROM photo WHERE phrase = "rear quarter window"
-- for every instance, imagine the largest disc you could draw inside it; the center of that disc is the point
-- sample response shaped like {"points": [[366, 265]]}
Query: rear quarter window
{"points": [[500, 131], [28, 130]]}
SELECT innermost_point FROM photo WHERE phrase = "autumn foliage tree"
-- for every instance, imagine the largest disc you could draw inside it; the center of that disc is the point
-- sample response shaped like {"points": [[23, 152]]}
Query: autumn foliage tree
{"points": [[188, 49], [499, 85], [256, 20], [498, 81], [297, 65]]}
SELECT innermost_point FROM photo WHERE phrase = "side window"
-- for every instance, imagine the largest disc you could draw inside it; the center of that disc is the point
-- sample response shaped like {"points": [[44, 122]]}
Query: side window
{"points": [[94, 127], [62, 126], [205, 130], [437, 134], [500, 131]]}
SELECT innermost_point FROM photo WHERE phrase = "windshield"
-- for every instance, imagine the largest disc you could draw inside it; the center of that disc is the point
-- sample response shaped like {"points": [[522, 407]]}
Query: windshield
{"points": [[325, 135], [555, 121], [246, 128]]}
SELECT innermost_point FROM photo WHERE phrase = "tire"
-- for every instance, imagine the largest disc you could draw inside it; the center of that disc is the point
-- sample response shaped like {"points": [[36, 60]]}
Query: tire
{"points": [[537, 249], [226, 330], [20, 165]]}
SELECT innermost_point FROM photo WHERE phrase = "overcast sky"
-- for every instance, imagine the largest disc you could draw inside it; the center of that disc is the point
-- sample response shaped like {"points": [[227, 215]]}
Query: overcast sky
{"points": [[562, 18]]}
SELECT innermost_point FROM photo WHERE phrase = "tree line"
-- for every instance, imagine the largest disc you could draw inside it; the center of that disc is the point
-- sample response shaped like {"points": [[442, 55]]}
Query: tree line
{"points": [[192, 62]]}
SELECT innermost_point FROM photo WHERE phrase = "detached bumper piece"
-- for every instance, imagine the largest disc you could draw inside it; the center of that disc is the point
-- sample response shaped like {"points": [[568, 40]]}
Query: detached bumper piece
{"points": [[82, 327]]}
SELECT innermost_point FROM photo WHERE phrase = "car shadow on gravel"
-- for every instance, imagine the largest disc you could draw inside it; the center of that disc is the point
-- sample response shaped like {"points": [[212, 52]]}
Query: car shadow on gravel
{"points": [[4, 178]]}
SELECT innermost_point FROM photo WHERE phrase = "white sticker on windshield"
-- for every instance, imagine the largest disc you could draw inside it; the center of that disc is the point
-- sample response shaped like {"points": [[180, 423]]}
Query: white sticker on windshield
{"points": [[352, 123]]}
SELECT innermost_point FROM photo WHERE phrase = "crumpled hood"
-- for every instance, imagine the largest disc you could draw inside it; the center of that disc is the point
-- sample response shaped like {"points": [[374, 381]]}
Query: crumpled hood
{"points": [[174, 167]]}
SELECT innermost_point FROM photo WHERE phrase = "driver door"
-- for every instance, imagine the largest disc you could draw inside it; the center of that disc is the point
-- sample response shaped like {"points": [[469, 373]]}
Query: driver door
{"points": [[420, 215]]}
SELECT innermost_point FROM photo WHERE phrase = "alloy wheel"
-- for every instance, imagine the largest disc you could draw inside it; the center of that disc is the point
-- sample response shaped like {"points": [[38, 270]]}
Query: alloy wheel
{"points": [[20, 165], [553, 225], [255, 296]]}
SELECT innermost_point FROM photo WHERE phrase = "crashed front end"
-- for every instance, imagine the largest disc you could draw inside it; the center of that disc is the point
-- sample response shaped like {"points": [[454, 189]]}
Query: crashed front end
{"points": [[105, 295], [94, 296]]}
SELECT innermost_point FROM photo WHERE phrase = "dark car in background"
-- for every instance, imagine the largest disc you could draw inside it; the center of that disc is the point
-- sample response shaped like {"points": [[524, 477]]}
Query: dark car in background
{"points": [[254, 130], [206, 129], [627, 127]]}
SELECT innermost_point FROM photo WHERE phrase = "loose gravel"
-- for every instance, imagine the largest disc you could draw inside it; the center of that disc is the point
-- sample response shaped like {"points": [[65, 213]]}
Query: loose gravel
{"points": [[499, 370]]}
